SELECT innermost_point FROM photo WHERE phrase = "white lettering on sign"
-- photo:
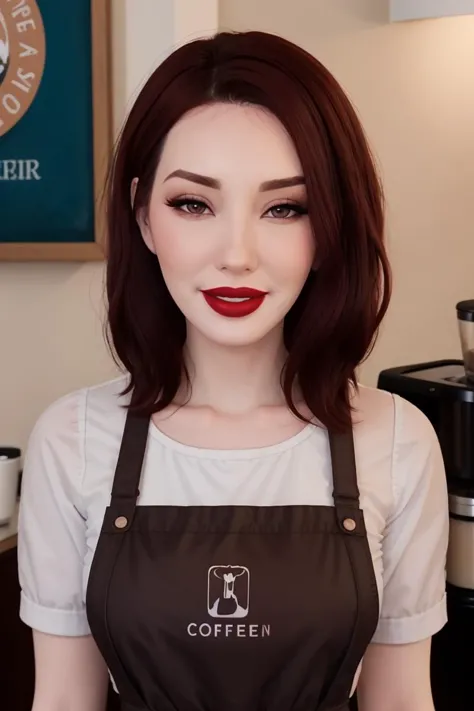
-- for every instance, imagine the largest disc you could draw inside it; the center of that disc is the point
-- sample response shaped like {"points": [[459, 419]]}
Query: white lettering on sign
{"points": [[27, 51], [21, 9], [25, 80], [22, 169], [26, 25], [11, 104], [22, 59]]}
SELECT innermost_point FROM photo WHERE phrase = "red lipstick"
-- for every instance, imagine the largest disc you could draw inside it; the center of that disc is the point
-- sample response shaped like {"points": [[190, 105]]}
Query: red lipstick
{"points": [[234, 303]]}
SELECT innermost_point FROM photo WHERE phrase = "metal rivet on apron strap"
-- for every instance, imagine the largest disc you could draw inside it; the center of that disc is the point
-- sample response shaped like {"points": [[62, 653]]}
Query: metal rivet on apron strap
{"points": [[349, 524], [121, 522]]}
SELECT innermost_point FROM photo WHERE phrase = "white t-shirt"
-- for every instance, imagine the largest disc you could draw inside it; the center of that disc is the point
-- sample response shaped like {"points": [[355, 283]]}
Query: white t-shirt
{"points": [[69, 469]]}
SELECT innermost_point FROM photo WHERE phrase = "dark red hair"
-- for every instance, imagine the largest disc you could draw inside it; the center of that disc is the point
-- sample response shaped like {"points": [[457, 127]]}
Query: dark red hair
{"points": [[332, 326]]}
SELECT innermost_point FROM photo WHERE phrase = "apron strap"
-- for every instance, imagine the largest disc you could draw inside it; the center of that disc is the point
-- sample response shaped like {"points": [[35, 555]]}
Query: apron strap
{"points": [[130, 459], [132, 452], [344, 471]]}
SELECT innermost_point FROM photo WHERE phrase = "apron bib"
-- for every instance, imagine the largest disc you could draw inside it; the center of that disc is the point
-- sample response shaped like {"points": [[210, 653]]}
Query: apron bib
{"points": [[232, 608]]}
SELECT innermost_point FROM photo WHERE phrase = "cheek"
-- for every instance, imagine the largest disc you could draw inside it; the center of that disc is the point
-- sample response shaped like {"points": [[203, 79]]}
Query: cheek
{"points": [[295, 257], [179, 256]]}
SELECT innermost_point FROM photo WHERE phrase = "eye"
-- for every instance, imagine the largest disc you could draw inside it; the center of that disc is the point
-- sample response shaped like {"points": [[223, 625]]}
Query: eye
{"points": [[188, 205], [286, 211]]}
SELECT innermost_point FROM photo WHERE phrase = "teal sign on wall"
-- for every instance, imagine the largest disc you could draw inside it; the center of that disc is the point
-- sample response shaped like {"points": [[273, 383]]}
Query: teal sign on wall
{"points": [[54, 127]]}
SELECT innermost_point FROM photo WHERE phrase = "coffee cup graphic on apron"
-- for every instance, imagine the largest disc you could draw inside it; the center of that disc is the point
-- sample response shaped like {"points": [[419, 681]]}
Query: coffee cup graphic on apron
{"points": [[228, 591]]}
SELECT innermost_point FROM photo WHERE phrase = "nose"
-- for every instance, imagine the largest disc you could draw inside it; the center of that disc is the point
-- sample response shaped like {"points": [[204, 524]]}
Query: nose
{"points": [[239, 253]]}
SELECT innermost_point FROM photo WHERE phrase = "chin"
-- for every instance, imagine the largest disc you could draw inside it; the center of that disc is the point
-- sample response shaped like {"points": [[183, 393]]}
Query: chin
{"points": [[237, 333], [236, 340]]}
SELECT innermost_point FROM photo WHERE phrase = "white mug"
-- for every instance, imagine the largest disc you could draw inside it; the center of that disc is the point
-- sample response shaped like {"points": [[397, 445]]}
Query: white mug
{"points": [[9, 474]]}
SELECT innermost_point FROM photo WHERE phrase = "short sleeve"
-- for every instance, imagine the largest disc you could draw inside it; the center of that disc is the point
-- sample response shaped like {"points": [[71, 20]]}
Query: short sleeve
{"points": [[51, 528], [415, 540]]}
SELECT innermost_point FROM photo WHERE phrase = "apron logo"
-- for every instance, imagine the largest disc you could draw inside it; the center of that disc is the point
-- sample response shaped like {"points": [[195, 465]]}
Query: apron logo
{"points": [[228, 589], [22, 59], [228, 596]]}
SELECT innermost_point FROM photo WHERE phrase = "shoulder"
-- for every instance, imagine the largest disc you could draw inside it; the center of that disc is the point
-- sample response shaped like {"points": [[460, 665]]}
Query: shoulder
{"points": [[391, 420], [71, 414], [396, 445], [399, 439], [62, 431]]}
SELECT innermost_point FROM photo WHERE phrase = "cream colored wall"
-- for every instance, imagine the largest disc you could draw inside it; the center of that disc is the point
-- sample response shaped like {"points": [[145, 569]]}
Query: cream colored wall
{"points": [[412, 84]]}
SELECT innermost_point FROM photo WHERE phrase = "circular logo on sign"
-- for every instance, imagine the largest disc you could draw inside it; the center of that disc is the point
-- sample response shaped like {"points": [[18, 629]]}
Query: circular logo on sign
{"points": [[22, 58]]}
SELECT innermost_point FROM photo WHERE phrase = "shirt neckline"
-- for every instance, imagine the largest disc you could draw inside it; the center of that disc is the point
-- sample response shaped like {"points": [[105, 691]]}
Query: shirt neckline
{"points": [[228, 454]]}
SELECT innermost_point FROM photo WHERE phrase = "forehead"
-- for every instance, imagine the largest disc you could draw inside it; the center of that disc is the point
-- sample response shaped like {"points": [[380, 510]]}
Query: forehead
{"points": [[230, 141]]}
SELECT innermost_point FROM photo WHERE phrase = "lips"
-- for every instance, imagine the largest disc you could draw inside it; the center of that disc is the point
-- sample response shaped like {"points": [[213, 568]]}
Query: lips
{"points": [[234, 302]]}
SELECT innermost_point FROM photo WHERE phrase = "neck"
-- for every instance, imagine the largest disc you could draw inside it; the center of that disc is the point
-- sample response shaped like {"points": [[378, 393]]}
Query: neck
{"points": [[235, 379]]}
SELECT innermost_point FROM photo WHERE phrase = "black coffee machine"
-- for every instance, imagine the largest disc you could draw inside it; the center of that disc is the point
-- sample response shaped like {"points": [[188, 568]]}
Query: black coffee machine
{"points": [[444, 391]]}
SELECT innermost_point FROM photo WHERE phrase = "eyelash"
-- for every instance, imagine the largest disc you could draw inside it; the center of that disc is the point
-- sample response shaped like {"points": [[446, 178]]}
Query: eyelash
{"points": [[178, 204]]}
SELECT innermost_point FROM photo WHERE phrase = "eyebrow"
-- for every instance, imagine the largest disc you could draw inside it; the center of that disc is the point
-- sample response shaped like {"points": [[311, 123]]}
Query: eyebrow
{"points": [[215, 184]]}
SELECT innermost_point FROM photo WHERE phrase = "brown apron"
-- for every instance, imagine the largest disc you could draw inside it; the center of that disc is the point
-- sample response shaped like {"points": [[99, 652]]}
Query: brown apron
{"points": [[232, 608]]}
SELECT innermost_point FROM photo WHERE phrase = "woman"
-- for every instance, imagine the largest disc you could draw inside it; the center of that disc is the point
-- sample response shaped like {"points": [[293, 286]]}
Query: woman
{"points": [[269, 524]]}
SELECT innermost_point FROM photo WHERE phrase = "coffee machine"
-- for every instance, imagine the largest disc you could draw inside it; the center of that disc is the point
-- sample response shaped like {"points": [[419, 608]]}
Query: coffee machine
{"points": [[444, 391]]}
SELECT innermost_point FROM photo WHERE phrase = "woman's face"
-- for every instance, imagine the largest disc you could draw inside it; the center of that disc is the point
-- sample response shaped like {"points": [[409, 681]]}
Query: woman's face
{"points": [[228, 212]]}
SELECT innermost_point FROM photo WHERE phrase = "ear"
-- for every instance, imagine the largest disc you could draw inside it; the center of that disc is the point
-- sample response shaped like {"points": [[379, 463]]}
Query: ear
{"points": [[141, 218], [133, 191], [316, 262]]}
